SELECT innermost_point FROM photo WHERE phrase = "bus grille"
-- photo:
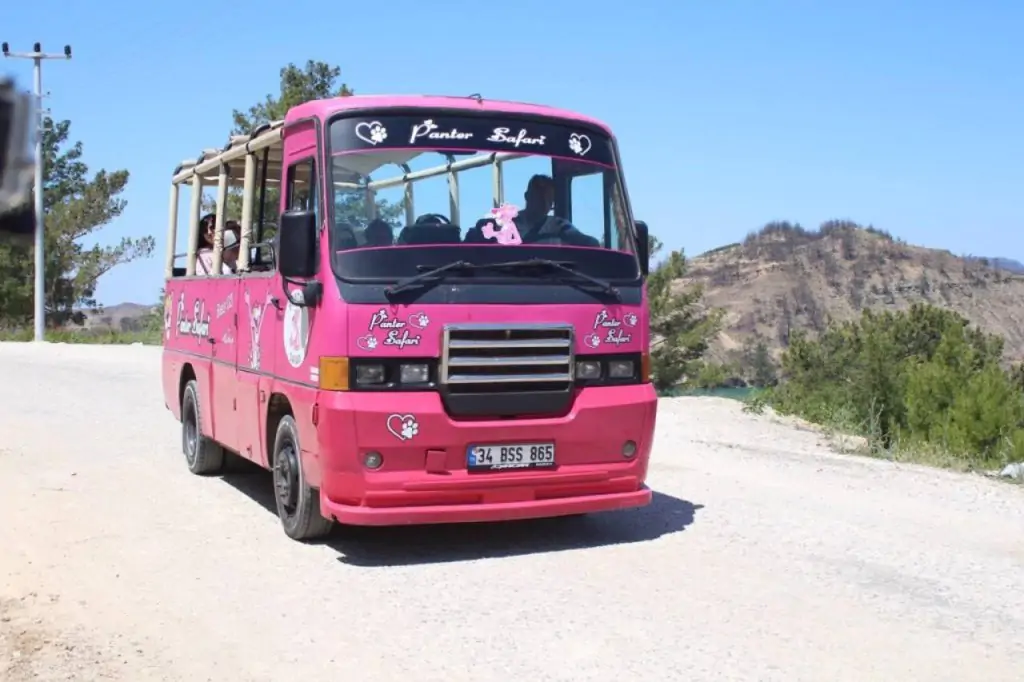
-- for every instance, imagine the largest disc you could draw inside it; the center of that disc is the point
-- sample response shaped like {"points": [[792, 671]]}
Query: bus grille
{"points": [[506, 358]]}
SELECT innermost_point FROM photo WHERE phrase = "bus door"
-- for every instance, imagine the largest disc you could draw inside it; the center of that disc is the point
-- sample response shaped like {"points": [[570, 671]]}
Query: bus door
{"points": [[258, 341], [301, 194], [222, 292]]}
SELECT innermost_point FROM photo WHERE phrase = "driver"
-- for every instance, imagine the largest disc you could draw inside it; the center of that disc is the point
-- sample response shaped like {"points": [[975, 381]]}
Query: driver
{"points": [[537, 227]]}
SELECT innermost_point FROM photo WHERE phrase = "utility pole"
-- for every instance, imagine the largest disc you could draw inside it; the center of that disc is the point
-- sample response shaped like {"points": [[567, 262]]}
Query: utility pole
{"points": [[37, 56]]}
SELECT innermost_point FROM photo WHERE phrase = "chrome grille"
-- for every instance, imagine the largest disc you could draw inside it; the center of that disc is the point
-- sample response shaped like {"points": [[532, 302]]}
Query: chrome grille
{"points": [[503, 357]]}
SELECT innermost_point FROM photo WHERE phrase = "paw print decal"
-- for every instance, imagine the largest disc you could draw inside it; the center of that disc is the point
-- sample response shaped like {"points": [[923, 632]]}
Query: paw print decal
{"points": [[371, 132], [630, 319], [419, 320], [402, 426], [579, 144]]}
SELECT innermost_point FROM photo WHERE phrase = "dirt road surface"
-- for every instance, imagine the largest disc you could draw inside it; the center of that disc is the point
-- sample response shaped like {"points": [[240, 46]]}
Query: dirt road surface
{"points": [[764, 557]]}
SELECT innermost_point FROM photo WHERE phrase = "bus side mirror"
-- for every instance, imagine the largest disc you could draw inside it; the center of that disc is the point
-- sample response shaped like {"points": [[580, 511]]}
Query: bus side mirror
{"points": [[296, 249], [643, 246]]}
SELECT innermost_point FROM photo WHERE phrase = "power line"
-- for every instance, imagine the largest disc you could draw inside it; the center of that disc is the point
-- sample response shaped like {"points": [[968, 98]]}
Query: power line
{"points": [[37, 56]]}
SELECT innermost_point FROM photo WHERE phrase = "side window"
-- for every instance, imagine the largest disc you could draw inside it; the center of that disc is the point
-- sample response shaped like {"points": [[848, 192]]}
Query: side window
{"points": [[615, 209], [597, 210], [303, 189]]}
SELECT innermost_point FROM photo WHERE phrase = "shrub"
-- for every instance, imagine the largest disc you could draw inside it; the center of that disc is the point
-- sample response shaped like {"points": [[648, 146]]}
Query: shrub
{"points": [[919, 379], [103, 336], [681, 325]]}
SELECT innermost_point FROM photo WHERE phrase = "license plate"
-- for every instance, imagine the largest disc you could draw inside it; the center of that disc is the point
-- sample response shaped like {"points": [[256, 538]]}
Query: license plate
{"points": [[510, 456]]}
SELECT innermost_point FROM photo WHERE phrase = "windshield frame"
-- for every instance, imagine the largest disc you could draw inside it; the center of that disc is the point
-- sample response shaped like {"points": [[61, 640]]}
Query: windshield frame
{"points": [[486, 254]]}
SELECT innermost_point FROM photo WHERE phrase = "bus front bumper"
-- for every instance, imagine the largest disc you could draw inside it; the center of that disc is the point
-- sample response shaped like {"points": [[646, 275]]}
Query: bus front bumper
{"points": [[423, 478]]}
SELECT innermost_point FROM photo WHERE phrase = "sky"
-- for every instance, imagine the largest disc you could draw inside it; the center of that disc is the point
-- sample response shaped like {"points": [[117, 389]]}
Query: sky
{"points": [[908, 116]]}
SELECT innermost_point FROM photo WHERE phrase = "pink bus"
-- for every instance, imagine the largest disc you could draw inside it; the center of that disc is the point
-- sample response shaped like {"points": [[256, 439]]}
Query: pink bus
{"points": [[428, 310]]}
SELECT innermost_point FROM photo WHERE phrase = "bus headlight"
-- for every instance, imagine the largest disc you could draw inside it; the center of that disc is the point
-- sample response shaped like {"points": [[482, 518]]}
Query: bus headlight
{"points": [[621, 369], [588, 370], [611, 369], [369, 374], [414, 374]]}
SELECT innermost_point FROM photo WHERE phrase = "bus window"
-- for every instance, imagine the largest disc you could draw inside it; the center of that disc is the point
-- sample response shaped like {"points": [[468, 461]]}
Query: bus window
{"points": [[301, 189]]}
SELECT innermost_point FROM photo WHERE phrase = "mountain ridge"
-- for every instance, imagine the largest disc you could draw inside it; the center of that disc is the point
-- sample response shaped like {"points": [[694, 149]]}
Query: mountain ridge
{"points": [[784, 277]]}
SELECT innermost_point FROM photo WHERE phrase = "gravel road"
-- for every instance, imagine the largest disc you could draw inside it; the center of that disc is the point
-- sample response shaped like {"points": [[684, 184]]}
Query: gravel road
{"points": [[764, 557]]}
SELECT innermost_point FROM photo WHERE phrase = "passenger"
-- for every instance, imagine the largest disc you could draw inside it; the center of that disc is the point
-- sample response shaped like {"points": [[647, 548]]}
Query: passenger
{"points": [[204, 250], [379, 233], [537, 227], [232, 241]]}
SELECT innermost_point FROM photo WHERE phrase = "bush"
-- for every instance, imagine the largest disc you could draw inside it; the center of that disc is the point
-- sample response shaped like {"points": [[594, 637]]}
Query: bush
{"points": [[97, 336], [922, 380], [682, 326]]}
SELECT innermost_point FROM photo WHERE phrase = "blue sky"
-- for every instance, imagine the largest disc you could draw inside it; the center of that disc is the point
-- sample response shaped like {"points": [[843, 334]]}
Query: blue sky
{"points": [[730, 114]]}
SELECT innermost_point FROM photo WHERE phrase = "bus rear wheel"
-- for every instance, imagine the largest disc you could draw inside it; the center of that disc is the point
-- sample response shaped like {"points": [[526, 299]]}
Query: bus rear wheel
{"points": [[298, 505], [202, 455]]}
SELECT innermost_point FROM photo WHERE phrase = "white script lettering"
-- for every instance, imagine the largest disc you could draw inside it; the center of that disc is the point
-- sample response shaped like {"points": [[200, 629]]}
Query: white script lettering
{"points": [[199, 325], [401, 341], [502, 135], [429, 129], [617, 337]]}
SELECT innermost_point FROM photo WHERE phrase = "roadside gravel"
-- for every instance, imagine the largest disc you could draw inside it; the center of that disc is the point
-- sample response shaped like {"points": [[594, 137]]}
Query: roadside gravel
{"points": [[764, 557]]}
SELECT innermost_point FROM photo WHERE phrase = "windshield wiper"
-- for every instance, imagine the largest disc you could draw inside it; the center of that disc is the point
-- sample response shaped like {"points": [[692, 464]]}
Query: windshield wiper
{"points": [[431, 275], [560, 266], [434, 275]]}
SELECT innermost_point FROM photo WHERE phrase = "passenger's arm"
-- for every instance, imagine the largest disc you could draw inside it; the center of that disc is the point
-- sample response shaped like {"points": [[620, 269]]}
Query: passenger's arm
{"points": [[571, 236]]}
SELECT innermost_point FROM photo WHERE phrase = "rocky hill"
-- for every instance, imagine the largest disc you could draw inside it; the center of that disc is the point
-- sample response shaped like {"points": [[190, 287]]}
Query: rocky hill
{"points": [[785, 277]]}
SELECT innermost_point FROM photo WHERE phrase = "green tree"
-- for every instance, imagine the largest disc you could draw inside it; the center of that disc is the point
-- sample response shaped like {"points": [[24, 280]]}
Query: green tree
{"points": [[316, 80], [76, 204], [759, 363], [152, 321], [681, 325], [921, 377]]}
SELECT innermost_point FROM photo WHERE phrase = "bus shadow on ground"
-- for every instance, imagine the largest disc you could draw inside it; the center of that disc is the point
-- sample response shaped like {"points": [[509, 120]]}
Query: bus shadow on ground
{"points": [[445, 543]]}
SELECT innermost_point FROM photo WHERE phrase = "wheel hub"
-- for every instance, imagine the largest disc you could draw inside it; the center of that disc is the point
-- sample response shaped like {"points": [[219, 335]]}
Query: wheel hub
{"points": [[191, 434], [286, 478]]}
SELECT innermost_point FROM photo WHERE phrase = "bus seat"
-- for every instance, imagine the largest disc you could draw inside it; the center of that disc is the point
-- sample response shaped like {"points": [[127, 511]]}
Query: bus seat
{"points": [[475, 234], [430, 234], [344, 238]]}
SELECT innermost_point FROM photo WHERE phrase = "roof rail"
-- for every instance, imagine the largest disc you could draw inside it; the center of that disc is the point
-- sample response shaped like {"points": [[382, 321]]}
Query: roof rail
{"points": [[262, 136]]}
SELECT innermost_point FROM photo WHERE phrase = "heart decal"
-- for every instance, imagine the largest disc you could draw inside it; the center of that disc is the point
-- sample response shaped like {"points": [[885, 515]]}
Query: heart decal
{"points": [[579, 144], [419, 320], [402, 426], [371, 132], [592, 340], [368, 342]]}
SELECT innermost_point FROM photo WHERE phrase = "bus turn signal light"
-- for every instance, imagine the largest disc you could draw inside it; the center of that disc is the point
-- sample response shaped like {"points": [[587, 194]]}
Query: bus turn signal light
{"points": [[334, 373]]}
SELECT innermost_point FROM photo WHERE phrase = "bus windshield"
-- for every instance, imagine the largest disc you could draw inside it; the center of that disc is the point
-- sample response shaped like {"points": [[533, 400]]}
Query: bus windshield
{"points": [[487, 185]]}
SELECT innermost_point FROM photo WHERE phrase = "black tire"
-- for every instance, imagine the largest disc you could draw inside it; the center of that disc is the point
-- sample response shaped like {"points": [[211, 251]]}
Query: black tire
{"points": [[298, 505], [202, 455]]}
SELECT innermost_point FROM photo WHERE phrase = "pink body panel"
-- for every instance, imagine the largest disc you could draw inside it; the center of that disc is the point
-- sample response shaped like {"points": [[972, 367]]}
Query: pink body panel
{"points": [[245, 343], [325, 108], [592, 474], [417, 330]]}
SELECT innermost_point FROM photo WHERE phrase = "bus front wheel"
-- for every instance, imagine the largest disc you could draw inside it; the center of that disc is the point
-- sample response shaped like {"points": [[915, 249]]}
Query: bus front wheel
{"points": [[298, 505], [203, 455]]}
